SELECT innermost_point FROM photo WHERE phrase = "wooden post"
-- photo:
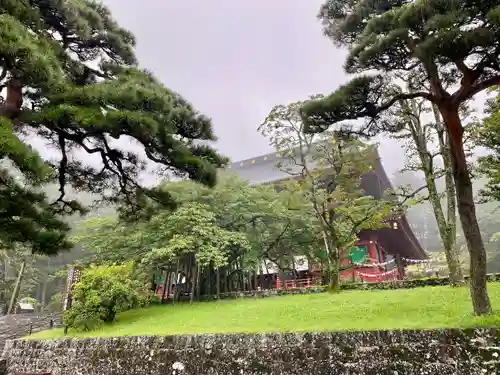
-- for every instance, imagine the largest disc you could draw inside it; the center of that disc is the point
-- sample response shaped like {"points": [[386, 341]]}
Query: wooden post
{"points": [[401, 267], [17, 288], [166, 285], [217, 282]]}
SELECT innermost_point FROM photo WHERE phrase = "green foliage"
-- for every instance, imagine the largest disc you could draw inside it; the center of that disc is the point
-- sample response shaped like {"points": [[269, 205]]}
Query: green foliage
{"points": [[71, 79], [102, 292], [489, 137], [449, 44], [326, 173], [243, 222], [446, 52], [56, 302], [190, 229]]}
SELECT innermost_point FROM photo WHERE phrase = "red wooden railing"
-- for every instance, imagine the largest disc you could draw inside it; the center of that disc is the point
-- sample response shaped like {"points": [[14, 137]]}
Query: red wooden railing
{"points": [[299, 283]]}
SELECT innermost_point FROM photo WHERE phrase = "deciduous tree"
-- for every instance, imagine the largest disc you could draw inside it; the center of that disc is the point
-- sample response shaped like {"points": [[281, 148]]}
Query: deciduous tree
{"points": [[235, 225], [489, 137], [327, 171], [426, 144], [448, 51]]}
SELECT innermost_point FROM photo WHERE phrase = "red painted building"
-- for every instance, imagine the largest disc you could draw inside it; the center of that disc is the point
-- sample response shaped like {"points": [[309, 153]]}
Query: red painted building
{"points": [[382, 252]]}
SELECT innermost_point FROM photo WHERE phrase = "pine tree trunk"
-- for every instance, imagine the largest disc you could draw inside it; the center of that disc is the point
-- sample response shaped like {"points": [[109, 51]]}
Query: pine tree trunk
{"points": [[43, 297], [451, 250], [17, 289], [467, 212]]}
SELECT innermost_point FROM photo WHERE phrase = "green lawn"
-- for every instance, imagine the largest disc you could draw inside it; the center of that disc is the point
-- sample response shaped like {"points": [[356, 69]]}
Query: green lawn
{"points": [[421, 308]]}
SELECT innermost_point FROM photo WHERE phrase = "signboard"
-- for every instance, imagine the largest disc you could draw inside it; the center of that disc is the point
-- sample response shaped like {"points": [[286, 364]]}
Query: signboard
{"points": [[73, 278], [301, 263], [269, 267], [358, 254]]}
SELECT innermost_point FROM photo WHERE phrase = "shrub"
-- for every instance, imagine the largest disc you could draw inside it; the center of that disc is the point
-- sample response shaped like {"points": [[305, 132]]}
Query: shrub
{"points": [[101, 293]]}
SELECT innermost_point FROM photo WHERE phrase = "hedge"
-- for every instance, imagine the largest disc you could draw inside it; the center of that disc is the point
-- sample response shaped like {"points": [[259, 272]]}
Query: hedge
{"points": [[385, 285]]}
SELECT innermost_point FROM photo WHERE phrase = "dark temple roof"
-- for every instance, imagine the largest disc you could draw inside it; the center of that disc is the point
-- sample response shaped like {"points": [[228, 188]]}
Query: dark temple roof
{"points": [[262, 169]]}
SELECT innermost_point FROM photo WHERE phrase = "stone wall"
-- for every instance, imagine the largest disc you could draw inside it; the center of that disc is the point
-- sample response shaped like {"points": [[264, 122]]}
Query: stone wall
{"points": [[438, 352]]}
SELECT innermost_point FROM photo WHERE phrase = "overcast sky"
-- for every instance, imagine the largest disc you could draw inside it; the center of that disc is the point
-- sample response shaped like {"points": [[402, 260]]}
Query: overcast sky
{"points": [[234, 60]]}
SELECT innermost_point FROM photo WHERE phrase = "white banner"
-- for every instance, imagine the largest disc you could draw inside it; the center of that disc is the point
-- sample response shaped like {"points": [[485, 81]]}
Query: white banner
{"points": [[392, 272], [409, 261], [374, 264], [269, 267], [301, 263]]}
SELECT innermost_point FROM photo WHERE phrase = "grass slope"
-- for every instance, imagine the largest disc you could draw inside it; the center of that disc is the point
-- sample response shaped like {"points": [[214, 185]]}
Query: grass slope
{"points": [[421, 308]]}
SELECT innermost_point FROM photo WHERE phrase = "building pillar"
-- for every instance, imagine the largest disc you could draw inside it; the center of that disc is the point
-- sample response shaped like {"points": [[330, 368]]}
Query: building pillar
{"points": [[372, 251], [401, 266]]}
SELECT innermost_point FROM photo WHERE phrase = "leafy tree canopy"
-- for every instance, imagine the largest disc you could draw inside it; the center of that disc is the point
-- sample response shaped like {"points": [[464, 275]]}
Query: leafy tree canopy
{"points": [[69, 76], [190, 229], [489, 137], [233, 221], [326, 173]]}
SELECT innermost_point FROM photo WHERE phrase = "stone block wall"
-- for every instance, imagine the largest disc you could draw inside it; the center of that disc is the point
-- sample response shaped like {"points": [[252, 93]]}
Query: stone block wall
{"points": [[435, 352]]}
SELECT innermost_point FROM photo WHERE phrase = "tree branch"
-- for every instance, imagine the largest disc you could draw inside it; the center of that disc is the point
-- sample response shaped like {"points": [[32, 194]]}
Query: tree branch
{"points": [[407, 96], [410, 195], [474, 89]]}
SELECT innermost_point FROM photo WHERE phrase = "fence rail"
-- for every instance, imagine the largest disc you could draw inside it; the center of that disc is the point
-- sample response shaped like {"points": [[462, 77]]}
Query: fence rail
{"points": [[15, 330]]}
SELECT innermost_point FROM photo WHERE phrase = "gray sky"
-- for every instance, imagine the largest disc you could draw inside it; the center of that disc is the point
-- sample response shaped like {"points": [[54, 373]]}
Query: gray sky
{"points": [[234, 60]]}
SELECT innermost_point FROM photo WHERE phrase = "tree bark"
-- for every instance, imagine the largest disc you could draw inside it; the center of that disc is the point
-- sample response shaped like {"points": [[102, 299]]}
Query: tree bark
{"points": [[166, 284], [217, 282], [175, 297], [199, 270], [17, 288], [13, 100], [467, 212], [43, 297], [446, 233], [451, 252], [194, 277], [334, 274], [226, 280], [446, 225]]}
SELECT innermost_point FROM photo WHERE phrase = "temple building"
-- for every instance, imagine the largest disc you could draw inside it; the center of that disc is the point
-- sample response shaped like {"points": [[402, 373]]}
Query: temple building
{"points": [[380, 254]]}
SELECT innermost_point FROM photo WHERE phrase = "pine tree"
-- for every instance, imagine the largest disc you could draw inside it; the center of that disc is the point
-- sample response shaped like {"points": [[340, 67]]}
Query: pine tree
{"points": [[448, 51], [69, 76]]}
